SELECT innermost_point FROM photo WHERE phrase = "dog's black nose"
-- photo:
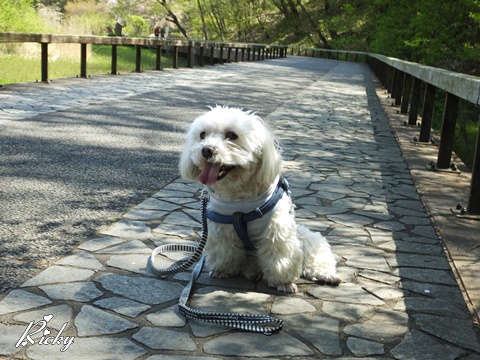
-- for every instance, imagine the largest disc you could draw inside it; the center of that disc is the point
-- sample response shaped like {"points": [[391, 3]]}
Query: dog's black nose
{"points": [[207, 152]]}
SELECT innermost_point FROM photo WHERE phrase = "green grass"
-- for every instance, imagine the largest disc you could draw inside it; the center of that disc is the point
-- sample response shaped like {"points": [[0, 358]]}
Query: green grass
{"points": [[16, 68]]}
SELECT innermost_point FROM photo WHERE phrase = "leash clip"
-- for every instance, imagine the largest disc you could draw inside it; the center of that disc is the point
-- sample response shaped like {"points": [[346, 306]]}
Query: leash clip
{"points": [[204, 194]]}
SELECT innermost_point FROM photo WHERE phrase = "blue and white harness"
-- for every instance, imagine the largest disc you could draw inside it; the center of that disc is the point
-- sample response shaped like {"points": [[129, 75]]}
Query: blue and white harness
{"points": [[245, 221]]}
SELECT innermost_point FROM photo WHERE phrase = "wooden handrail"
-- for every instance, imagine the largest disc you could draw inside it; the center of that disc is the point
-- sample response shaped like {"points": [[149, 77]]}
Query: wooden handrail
{"points": [[116, 40], [254, 51]]}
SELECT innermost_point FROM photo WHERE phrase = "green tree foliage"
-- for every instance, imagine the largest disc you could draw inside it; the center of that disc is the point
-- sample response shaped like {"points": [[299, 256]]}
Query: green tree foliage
{"points": [[232, 20], [18, 16], [136, 26], [441, 33]]}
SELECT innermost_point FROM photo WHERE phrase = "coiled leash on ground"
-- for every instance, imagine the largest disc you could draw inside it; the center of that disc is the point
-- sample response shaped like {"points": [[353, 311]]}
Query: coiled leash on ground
{"points": [[263, 324]]}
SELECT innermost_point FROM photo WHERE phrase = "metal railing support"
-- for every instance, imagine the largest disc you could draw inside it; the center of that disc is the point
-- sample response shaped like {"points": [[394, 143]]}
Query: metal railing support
{"points": [[220, 56], [138, 58], [474, 196], [229, 54], [415, 105], [83, 60], [389, 79], [44, 62], [407, 93], [398, 87], [175, 57], [212, 55], [189, 57], [202, 55], [448, 131], [113, 68], [158, 58], [427, 115]]}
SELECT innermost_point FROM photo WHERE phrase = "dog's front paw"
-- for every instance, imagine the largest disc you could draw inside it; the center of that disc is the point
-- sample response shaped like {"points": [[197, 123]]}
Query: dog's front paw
{"points": [[327, 278], [286, 288], [332, 279]]}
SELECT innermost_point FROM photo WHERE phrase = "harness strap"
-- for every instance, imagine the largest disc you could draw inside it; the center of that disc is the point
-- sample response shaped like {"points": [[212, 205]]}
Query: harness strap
{"points": [[240, 220], [263, 324], [241, 229]]}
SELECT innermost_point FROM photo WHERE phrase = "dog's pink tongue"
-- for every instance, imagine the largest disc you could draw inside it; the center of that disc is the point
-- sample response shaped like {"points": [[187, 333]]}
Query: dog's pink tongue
{"points": [[209, 174]]}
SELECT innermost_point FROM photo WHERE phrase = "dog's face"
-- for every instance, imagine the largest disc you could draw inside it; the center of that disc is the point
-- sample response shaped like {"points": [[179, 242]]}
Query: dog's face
{"points": [[228, 148]]}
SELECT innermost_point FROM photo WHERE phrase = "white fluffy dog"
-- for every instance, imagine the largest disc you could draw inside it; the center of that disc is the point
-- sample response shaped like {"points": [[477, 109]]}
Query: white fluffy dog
{"points": [[237, 159]]}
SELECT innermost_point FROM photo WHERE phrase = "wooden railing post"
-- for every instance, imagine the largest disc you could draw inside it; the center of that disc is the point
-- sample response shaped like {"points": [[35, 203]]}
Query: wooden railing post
{"points": [[445, 148], [416, 91], [390, 80], [406, 93], [202, 56], [158, 58], [474, 196], [113, 69], [83, 60], [189, 56], [220, 56], [138, 58], [44, 62], [427, 115], [175, 57], [212, 55], [398, 87]]}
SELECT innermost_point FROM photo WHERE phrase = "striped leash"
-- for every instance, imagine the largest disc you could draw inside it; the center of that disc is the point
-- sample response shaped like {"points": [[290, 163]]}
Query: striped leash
{"points": [[263, 324]]}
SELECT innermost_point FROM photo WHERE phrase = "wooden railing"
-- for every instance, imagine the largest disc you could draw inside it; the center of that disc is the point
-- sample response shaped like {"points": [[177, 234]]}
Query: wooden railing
{"points": [[404, 81], [334, 54], [196, 52]]}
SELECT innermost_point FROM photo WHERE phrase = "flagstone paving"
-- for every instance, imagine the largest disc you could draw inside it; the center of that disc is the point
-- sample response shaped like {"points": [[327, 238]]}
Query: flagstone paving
{"points": [[398, 299]]}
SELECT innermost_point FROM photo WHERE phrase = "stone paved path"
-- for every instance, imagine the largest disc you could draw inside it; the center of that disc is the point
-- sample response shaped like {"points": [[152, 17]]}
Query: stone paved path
{"points": [[398, 299]]}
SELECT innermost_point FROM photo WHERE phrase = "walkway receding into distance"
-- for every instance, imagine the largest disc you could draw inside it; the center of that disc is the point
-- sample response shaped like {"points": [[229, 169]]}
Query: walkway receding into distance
{"points": [[90, 186]]}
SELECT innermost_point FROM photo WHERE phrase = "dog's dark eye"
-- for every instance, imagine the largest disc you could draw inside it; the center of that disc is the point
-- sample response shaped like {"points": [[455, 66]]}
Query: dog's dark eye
{"points": [[230, 135], [202, 135]]}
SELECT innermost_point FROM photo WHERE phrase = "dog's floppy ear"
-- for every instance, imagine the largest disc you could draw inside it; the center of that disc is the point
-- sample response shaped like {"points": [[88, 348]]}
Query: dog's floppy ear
{"points": [[271, 160], [188, 170]]}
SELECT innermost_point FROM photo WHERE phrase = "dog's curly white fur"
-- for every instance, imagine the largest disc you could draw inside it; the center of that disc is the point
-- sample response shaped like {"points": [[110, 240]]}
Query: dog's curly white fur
{"points": [[237, 158]]}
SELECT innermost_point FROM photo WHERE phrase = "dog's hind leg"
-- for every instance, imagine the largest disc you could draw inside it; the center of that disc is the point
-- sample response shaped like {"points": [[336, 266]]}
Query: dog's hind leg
{"points": [[280, 256], [319, 262]]}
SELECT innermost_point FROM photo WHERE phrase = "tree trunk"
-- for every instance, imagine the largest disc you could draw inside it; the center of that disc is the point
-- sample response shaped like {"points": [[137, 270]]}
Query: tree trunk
{"points": [[314, 25], [202, 17], [173, 17]]}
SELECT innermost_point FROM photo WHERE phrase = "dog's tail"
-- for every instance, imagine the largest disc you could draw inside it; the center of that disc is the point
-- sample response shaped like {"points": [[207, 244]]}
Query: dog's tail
{"points": [[318, 260]]}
